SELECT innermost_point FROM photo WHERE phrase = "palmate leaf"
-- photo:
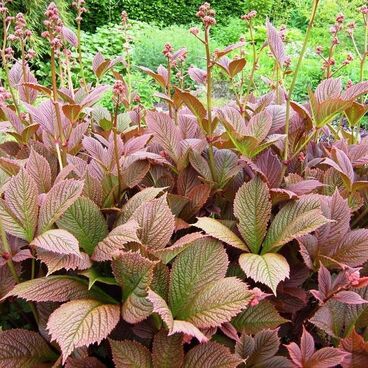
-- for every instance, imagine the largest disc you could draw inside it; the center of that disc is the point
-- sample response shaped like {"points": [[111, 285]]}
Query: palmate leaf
{"points": [[85, 221], [57, 241], [219, 231], [81, 323], [252, 206], [211, 355], [23, 349], [205, 261], [260, 317], [21, 199], [292, 221], [269, 269], [167, 351], [134, 274], [156, 223], [130, 354], [57, 201]]}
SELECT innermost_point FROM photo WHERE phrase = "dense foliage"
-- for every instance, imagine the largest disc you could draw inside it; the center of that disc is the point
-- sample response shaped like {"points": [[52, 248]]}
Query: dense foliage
{"points": [[186, 235]]}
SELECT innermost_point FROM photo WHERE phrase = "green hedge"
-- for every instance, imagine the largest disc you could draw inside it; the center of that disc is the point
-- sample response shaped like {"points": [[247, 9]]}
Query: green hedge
{"points": [[167, 12]]}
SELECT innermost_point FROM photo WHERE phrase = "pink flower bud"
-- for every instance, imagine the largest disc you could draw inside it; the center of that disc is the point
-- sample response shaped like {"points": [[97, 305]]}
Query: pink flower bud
{"points": [[340, 18], [194, 31]]}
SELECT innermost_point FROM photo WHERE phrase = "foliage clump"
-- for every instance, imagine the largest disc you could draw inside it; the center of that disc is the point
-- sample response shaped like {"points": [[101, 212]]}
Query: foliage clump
{"points": [[186, 235]]}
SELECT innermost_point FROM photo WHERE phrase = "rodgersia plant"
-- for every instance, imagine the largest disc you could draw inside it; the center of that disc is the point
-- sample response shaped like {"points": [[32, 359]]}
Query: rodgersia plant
{"points": [[188, 235]]}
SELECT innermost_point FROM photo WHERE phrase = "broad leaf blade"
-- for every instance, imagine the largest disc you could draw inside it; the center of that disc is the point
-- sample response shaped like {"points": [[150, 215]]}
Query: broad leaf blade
{"points": [[84, 220], [134, 274], [252, 206], [269, 269], [130, 354], [81, 323], [294, 220], [219, 231], [204, 262], [22, 349], [57, 201]]}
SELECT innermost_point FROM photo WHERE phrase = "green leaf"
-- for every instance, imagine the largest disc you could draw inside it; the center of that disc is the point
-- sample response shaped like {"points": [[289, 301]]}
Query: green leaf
{"points": [[81, 323], [260, 317], [134, 274], [205, 261], [295, 219], [85, 221], [269, 269], [252, 206], [216, 303], [130, 354], [219, 231], [93, 276], [167, 351], [211, 355]]}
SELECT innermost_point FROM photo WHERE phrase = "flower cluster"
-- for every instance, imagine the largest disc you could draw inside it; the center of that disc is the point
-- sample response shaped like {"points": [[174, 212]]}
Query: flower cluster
{"points": [[79, 6], [54, 26], [249, 16], [4, 95], [119, 89], [207, 15]]}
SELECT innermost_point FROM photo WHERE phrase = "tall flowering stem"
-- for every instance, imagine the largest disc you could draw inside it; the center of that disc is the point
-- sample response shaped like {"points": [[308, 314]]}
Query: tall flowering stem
{"points": [[293, 82], [207, 14], [78, 5], [54, 26]]}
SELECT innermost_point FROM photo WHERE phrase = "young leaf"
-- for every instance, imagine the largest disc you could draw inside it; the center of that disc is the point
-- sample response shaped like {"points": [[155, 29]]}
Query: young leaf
{"points": [[84, 220], [294, 220], [130, 354], [57, 201], [219, 231], [201, 263], [211, 355], [275, 43], [252, 207], [57, 241], [134, 274], [306, 356], [81, 323], [22, 348], [269, 269]]}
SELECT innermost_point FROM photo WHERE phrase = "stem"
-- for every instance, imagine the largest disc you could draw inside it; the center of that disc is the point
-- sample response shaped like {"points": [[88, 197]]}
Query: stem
{"points": [[293, 82], [254, 65], [305, 143], [80, 53], [116, 150], [57, 111], [8, 250], [5, 65], [209, 101]]}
